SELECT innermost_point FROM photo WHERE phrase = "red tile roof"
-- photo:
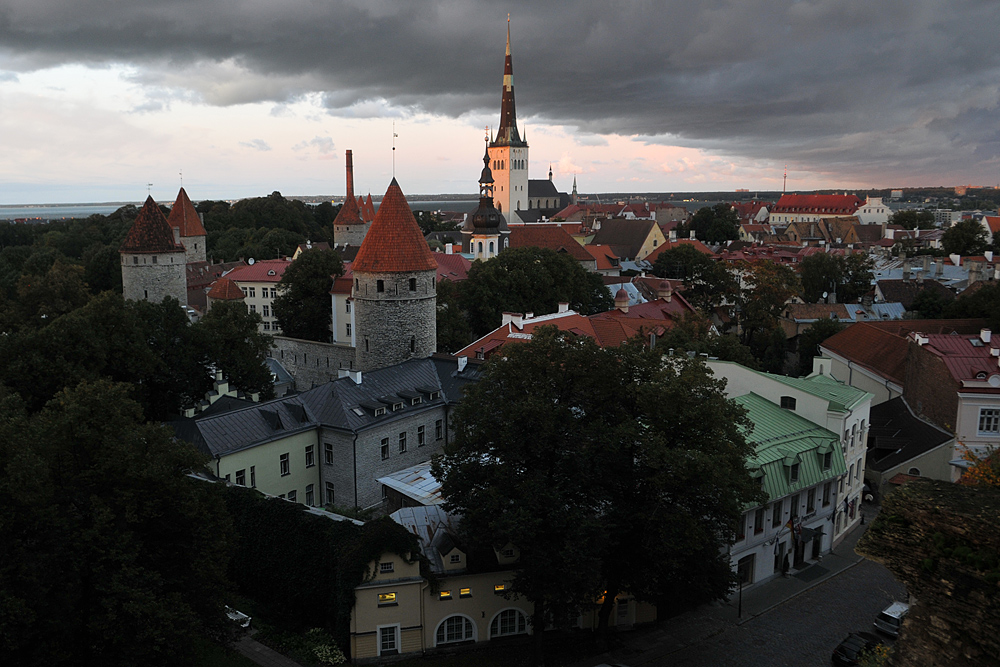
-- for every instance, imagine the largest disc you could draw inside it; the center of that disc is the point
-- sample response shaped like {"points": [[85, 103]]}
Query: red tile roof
{"points": [[225, 289], [669, 245], [604, 255], [344, 283], [993, 222], [368, 210], [184, 216], [349, 213], [835, 204], [452, 267], [552, 237], [966, 356], [880, 351], [263, 271], [394, 243], [150, 232]]}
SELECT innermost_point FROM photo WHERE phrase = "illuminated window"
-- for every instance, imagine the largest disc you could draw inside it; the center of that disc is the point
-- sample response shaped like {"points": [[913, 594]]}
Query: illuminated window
{"points": [[386, 599], [444, 595], [465, 593], [499, 588]]}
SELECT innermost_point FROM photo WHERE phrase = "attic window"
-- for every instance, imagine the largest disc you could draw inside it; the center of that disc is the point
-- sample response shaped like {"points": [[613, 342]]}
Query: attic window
{"points": [[271, 272], [397, 406], [788, 402], [415, 401], [379, 412], [383, 568], [981, 375], [793, 473], [434, 395], [359, 412]]}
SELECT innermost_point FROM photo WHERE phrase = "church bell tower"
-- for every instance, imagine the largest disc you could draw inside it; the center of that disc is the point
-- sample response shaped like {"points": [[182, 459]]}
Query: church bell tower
{"points": [[508, 152]]}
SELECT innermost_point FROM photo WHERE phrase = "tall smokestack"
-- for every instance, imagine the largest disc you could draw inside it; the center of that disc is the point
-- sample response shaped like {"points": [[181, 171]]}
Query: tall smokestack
{"points": [[350, 174]]}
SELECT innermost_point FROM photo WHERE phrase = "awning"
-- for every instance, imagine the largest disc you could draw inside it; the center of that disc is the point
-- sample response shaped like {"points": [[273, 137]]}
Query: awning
{"points": [[809, 533]]}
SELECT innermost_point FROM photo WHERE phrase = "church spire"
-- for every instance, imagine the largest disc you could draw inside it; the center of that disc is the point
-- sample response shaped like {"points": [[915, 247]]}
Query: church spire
{"points": [[508, 135]]}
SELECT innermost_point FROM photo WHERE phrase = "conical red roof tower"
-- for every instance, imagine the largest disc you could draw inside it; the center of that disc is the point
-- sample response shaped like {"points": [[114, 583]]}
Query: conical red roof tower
{"points": [[394, 243], [349, 213], [150, 233], [185, 217]]}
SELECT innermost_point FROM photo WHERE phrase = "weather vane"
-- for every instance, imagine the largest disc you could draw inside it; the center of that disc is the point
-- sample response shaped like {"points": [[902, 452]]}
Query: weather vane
{"points": [[181, 174], [149, 189], [394, 135]]}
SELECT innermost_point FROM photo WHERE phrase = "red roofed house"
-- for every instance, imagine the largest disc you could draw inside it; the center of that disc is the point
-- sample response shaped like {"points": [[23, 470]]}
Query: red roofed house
{"points": [[153, 259], [812, 208], [676, 243], [607, 262], [992, 224], [187, 221], [259, 283], [395, 288], [554, 238], [224, 289], [609, 329], [349, 226]]}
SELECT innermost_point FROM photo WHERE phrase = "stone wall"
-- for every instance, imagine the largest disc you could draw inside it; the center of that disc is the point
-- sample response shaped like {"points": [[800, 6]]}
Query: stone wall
{"points": [[309, 362], [153, 276], [350, 234], [395, 324], [194, 249], [942, 540]]}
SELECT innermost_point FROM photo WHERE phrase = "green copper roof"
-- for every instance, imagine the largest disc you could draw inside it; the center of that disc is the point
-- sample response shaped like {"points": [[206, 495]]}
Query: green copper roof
{"points": [[781, 439], [842, 397]]}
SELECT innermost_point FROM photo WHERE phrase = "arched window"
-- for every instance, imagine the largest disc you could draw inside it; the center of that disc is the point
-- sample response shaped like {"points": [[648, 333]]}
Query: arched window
{"points": [[518, 205], [508, 622], [491, 247], [455, 629], [913, 471], [480, 247], [505, 242]]}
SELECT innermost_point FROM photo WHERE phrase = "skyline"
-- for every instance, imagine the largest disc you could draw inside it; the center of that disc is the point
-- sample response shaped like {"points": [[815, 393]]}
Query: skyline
{"points": [[246, 98]]}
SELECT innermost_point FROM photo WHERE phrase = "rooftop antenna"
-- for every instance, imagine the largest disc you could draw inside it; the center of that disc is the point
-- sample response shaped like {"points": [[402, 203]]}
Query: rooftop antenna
{"points": [[149, 189], [394, 135], [784, 181]]}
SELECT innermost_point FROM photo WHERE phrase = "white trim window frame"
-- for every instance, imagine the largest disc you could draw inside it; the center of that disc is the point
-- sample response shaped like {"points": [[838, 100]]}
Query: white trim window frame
{"points": [[388, 642], [989, 421]]}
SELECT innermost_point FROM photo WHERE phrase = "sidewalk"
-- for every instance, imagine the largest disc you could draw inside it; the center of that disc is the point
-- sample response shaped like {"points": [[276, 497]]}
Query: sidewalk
{"points": [[693, 627], [261, 654]]}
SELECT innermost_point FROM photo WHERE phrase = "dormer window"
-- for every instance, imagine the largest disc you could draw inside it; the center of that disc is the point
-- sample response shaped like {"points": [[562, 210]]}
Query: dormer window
{"points": [[793, 473], [415, 401], [379, 412], [434, 395], [788, 402], [397, 406]]}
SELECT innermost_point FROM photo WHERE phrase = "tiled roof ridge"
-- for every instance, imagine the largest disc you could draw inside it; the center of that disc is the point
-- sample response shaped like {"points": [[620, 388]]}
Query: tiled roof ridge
{"points": [[394, 243], [150, 232], [184, 216], [225, 289], [349, 213]]}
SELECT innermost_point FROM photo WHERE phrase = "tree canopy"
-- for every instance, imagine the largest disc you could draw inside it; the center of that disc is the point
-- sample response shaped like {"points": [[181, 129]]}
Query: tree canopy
{"points": [[810, 339], [966, 237], [562, 449], [714, 224], [913, 219], [707, 282], [767, 286], [529, 280], [302, 306], [849, 277]]}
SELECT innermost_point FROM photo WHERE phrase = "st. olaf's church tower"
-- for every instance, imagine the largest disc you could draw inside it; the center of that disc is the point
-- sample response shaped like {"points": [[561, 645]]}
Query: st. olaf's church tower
{"points": [[509, 152]]}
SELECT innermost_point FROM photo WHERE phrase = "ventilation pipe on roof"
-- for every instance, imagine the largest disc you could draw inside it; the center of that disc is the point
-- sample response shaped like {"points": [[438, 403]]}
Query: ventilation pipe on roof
{"points": [[989, 255], [693, 236], [985, 335], [956, 259], [449, 249], [563, 307], [517, 319], [462, 362]]}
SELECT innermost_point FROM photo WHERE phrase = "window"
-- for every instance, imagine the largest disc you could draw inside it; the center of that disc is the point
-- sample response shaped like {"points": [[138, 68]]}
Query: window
{"points": [[154, 259], [989, 420], [507, 553], [413, 344], [283, 461], [267, 326], [386, 599], [465, 593], [348, 326], [793, 473], [385, 448], [267, 310], [253, 308], [758, 521], [827, 460], [741, 530], [416, 400], [310, 456], [253, 477], [444, 595], [274, 292], [850, 475], [413, 284], [348, 307], [499, 588], [788, 402], [508, 622], [379, 412], [241, 477], [454, 629], [420, 436], [794, 509], [912, 471], [293, 496], [826, 494], [776, 514], [402, 442], [811, 501], [329, 493], [385, 568], [744, 569], [227, 478], [455, 559], [328, 452], [379, 285], [439, 429], [367, 349], [388, 640], [310, 495]]}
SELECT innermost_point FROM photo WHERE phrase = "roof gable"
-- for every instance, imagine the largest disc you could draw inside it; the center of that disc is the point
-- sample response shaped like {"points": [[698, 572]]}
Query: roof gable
{"points": [[225, 289], [150, 233], [185, 217]]}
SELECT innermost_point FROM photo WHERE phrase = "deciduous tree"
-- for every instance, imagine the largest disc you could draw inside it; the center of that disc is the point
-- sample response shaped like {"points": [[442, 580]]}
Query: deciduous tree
{"points": [[707, 283], [234, 344], [303, 305], [966, 237]]}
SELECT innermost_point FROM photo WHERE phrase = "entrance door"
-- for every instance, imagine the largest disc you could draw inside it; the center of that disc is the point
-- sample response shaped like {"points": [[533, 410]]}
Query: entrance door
{"points": [[800, 553], [817, 546], [779, 557]]}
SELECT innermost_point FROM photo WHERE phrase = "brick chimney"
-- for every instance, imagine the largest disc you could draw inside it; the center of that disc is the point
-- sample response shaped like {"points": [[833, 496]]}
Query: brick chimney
{"points": [[350, 174]]}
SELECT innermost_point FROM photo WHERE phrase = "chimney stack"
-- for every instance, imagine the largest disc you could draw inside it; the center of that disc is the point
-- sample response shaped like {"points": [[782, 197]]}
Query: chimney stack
{"points": [[350, 174]]}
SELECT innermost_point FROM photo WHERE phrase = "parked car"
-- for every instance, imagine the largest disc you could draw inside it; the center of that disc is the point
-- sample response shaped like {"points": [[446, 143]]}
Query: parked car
{"points": [[890, 619], [856, 642]]}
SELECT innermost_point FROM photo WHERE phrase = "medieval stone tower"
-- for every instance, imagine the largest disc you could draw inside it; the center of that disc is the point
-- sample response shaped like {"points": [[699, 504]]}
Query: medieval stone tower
{"points": [[395, 288], [349, 227], [186, 220], [509, 152], [153, 261]]}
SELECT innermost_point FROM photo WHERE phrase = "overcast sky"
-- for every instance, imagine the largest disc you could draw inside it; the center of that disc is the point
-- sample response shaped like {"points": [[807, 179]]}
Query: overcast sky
{"points": [[100, 97]]}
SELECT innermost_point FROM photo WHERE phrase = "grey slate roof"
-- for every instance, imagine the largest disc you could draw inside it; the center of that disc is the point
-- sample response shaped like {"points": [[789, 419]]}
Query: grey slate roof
{"points": [[335, 405], [416, 483], [896, 435]]}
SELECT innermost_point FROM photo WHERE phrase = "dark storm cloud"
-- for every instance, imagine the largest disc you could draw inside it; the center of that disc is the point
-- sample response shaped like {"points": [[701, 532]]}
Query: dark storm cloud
{"points": [[875, 91]]}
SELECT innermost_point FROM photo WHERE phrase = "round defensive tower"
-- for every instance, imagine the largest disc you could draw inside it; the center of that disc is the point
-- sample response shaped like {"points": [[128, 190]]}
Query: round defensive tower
{"points": [[153, 261], [395, 288]]}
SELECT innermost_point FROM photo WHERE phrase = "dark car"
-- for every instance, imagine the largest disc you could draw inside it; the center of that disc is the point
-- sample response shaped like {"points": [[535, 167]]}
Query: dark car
{"points": [[849, 649]]}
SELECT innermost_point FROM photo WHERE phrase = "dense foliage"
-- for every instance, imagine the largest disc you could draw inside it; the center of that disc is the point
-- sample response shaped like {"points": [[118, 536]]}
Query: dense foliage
{"points": [[849, 277], [713, 224], [609, 469], [966, 237], [524, 280], [810, 339], [707, 282], [913, 219], [302, 306]]}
